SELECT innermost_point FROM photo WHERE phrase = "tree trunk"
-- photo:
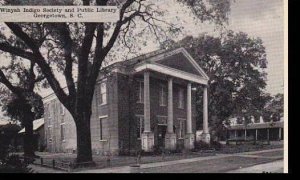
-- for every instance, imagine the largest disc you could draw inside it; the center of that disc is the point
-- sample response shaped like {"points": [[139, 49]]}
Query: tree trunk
{"points": [[84, 145], [28, 137]]}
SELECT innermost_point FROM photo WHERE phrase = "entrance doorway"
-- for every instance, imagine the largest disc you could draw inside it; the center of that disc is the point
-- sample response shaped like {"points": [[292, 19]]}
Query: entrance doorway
{"points": [[161, 132]]}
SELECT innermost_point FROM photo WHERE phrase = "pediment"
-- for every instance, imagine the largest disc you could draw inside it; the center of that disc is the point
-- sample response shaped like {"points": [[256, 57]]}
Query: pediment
{"points": [[181, 60]]}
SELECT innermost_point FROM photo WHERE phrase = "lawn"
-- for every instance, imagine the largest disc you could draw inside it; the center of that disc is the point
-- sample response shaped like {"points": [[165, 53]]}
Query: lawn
{"points": [[62, 160]]}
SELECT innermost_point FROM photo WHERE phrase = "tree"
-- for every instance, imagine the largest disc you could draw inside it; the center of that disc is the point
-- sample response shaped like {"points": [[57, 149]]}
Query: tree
{"points": [[19, 100], [273, 109], [235, 64], [85, 46]]}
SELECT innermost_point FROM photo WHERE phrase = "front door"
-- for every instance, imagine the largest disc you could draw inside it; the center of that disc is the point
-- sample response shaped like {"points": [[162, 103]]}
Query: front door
{"points": [[162, 129]]}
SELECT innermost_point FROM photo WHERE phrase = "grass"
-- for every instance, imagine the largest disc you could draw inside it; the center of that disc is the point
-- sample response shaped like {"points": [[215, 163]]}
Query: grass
{"points": [[229, 149], [115, 161]]}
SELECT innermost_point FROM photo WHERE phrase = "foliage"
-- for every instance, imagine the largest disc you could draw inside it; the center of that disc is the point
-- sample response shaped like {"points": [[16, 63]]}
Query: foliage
{"points": [[8, 135], [14, 106], [11, 163], [201, 145], [235, 64], [273, 109]]}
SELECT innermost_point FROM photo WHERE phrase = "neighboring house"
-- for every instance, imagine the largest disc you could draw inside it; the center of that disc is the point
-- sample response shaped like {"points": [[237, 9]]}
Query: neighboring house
{"points": [[270, 131], [143, 103], [38, 134]]}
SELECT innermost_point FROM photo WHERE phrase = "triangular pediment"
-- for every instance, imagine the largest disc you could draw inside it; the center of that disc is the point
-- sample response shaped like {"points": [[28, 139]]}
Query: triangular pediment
{"points": [[180, 59], [180, 62]]}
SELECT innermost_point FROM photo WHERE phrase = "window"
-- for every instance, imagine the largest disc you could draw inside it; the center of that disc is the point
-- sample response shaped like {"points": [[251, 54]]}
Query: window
{"points": [[140, 92], [62, 109], [162, 95], [62, 131], [162, 120], [101, 94], [102, 120], [180, 99], [140, 126], [181, 130]]}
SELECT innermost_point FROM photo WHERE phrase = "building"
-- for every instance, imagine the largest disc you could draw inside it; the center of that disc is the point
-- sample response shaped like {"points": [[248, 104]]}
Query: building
{"points": [[143, 103], [258, 131], [38, 134]]}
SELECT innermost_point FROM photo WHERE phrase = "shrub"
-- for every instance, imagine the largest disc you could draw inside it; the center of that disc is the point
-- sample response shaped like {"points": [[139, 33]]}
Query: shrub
{"points": [[12, 163], [216, 145], [200, 145]]}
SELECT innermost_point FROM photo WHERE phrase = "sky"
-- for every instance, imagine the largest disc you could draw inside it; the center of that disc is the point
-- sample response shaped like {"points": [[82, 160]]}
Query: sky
{"points": [[258, 18], [264, 19]]}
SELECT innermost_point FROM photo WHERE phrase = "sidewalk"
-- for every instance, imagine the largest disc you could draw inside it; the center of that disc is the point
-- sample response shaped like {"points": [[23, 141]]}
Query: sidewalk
{"points": [[272, 167]]}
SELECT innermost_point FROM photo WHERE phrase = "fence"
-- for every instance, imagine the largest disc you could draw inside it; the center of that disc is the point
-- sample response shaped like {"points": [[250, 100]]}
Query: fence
{"points": [[110, 161]]}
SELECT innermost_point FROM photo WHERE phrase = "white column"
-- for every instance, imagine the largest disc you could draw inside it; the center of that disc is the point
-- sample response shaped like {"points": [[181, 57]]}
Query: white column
{"points": [[189, 108], [234, 134], [205, 111], [206, 135], [170, 105], [170, 137], [189, 137], [279, 134], [256, 134], [147, 136], [146, 102]]}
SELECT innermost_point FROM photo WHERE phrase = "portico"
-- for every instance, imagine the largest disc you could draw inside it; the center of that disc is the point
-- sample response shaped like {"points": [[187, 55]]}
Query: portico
{"points": [[157, 66]]}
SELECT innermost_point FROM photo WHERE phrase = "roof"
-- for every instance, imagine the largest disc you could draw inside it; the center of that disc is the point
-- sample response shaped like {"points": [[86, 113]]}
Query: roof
{"points": [[3, 122], [277, 124], [163, 53], [145, 58], [36, 125]]}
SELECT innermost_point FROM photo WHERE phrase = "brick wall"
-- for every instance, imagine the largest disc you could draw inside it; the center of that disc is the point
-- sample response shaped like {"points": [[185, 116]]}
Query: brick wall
{"points": [[54, 143], [119, 128], [109, 143]]}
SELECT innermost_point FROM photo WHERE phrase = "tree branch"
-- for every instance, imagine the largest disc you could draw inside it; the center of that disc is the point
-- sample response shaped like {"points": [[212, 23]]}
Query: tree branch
{"points": [[8, 84], [119, 24], [17, 30], [16, 51], [31, 76], [39, 59], [83, 61], [98, 58], [67, 44]]}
